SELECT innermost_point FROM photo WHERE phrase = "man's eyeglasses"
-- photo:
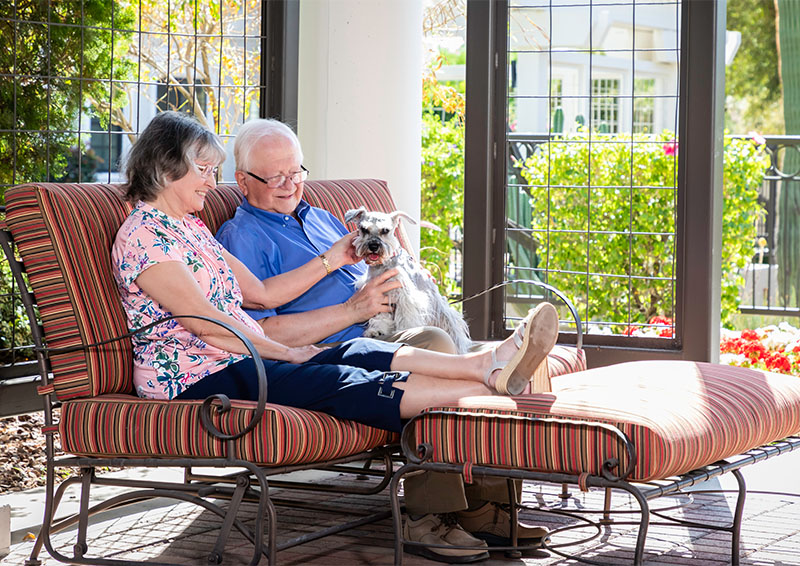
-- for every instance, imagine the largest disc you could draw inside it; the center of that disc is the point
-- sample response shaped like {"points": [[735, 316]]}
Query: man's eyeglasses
{"points": [[279, 180], [207, 171]]}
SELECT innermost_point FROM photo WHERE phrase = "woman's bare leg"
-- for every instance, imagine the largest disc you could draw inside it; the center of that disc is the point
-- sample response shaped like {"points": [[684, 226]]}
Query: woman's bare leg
{"points": [[423, 391], [468, 367], [540, 333]]}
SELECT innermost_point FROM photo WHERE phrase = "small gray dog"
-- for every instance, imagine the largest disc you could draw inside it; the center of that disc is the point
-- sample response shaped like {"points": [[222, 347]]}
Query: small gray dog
{"points": [[417, 302]]}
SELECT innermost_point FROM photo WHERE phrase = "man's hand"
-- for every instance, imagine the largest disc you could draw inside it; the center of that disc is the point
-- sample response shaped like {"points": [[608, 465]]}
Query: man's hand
{"points": [[342, 252], [371, 298], [302, 353]]}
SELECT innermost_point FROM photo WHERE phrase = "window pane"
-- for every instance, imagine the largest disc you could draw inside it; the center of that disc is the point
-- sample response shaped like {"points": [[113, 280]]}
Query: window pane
{"points": [[592, 109]]}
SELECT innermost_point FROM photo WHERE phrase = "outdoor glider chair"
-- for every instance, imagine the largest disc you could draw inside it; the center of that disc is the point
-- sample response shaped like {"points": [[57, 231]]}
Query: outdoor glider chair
{"points": [[647, 428], [64, 234]]}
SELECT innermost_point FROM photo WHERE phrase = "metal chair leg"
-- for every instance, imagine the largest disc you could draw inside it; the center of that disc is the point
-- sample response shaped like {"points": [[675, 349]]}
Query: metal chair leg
{"points": [[736, 527], [607, 520]]}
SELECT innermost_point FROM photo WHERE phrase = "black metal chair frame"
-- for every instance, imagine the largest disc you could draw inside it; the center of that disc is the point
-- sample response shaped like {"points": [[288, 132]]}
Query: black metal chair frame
{"points": [[249, 484]]}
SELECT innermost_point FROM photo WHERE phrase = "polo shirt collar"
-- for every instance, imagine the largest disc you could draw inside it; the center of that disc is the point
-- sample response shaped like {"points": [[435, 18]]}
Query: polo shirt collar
{"points": [[302, 210]]}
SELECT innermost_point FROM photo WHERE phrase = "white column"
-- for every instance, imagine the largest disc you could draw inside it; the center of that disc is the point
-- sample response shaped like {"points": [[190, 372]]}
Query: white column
{"points": [[359, 93]]}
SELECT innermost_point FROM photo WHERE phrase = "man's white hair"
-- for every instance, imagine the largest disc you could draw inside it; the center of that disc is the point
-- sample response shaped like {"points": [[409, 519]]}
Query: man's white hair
{"points": [[254, 131]]}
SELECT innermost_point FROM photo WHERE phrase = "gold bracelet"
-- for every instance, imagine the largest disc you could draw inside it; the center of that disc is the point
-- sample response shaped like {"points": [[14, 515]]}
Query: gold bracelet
{"points": [[325, 263]]}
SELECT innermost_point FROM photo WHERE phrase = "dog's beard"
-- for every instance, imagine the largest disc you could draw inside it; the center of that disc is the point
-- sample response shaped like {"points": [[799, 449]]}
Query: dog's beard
{"points": [[370, 257]]}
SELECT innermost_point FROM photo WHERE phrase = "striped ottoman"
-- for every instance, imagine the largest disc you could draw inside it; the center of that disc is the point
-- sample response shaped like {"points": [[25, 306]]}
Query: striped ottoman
{"points": [[678, 415]]}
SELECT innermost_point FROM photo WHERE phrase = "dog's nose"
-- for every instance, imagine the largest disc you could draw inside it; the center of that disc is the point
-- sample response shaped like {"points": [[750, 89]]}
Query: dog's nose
{"points": [[373, 247]]}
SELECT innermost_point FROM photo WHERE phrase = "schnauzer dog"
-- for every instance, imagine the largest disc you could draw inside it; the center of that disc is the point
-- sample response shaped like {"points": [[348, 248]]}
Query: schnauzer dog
{"points": [[417, 302]]}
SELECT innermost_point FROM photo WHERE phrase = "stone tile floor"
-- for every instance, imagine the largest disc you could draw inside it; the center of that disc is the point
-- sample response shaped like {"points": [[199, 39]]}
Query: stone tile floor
{"points": [[184, 534]]}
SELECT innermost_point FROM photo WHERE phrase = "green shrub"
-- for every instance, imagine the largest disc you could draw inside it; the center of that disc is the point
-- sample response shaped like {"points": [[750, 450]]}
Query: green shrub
{"points": [[624, 234], [442, 186], [743, 173], [14, 328], [442, 196]]}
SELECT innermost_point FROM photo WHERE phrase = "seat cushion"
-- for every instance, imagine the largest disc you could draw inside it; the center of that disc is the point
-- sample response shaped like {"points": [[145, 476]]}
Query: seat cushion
{"points": [[124, 425], [678, 415]]}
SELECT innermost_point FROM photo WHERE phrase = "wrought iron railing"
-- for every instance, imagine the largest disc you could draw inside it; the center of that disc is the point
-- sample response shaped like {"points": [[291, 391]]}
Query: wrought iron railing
{"points": [[763, 294]]}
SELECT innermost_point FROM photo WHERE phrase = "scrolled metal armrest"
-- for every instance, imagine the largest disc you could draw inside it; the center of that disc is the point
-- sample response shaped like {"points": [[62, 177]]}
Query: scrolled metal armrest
{"points": [[419, 453], [223, 403]]}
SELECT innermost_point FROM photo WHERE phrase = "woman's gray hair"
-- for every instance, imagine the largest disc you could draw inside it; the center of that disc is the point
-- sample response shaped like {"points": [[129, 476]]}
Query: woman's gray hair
{"points": [[165, 151], [255, 130]]}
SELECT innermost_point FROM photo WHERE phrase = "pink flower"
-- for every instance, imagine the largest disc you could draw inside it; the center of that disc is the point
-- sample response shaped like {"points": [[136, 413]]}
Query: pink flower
{"points": [[671, 148], [756, 137]]}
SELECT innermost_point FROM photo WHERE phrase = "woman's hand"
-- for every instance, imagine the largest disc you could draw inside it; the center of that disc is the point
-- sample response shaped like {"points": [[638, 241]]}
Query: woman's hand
{"points": [[302, 353], [342, 252]]}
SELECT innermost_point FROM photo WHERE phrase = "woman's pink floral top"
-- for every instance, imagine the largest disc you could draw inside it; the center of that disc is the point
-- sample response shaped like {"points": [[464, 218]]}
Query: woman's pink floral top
{"points": [[168, 358]]}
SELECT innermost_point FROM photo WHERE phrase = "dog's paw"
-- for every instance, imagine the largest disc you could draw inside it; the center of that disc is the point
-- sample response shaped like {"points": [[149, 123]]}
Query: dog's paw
{"points": [[376, 336]]}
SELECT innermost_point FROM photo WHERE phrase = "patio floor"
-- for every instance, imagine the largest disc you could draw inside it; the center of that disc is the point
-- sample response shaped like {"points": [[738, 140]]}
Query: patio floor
{"points": [[183, 533]]}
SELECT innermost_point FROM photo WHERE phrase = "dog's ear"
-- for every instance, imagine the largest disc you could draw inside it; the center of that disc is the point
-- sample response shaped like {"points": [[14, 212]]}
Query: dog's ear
{"points": [[397, 215], [354, 214]]}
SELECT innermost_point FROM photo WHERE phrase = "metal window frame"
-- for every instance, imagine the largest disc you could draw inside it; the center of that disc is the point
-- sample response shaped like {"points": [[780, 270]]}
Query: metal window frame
{"points": [[280, 27], [699, 198]]}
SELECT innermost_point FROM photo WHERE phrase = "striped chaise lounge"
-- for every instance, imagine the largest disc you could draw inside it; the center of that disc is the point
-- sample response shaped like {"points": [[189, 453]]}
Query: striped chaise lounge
{"points": [[648, 428], [63, 233]]}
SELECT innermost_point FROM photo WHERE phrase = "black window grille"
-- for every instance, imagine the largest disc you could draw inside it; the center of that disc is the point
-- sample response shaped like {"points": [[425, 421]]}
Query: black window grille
{"points": [[79, 79], [595, 108], [644, 106], [106, 145], [183, 96], [605, 105]]}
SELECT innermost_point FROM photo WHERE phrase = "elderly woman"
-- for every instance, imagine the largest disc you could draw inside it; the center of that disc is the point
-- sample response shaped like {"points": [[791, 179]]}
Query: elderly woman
{"points": [[166, 262]]}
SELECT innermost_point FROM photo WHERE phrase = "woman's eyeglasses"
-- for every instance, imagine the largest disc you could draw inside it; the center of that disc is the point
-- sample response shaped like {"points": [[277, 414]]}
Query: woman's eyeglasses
{"points": [[207, 171], [279, 180]]}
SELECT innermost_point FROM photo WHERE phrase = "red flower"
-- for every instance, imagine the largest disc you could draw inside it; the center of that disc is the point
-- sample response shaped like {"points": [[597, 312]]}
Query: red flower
{"points": [[732, 346], [671, 148], [778, 362], [750, 335], [754, 350]]}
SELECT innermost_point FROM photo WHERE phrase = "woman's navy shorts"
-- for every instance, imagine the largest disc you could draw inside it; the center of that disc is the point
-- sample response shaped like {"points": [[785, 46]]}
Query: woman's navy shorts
{"points": [[350, 381]]}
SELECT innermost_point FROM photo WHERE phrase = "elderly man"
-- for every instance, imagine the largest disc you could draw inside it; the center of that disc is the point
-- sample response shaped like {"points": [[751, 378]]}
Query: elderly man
{"points": [[275, 231]]}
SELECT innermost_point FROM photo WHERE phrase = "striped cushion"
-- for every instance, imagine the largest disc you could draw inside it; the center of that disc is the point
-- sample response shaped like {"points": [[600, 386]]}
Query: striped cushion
{"points": [[110, 425], [679, 415], [337, 197], [65, 232], [565, 359]]}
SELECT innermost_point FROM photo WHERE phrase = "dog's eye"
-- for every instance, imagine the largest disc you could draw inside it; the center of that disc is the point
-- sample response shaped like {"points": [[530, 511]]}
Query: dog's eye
{"points": [[384, 231], [364, 231]]}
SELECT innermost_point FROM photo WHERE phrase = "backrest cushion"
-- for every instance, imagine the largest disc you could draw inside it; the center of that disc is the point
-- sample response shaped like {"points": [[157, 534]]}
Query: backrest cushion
{"points": [[64, 233], [335, 196]]}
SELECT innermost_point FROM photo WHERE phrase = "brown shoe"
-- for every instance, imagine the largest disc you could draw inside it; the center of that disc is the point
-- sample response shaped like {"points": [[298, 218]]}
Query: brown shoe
{"points": [[443, 530], [492, 523]]}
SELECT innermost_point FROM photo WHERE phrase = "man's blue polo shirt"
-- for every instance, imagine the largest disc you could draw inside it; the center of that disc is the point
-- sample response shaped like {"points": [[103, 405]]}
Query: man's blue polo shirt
{"points": [[269, 244]]}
